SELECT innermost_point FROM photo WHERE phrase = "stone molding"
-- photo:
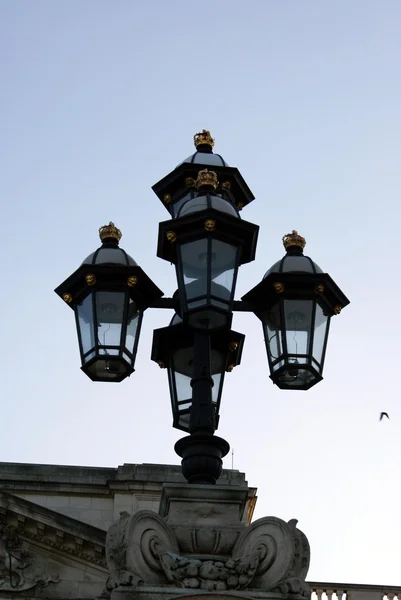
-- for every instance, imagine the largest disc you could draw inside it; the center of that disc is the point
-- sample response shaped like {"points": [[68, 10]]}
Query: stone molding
{"points": [[52, 530]]}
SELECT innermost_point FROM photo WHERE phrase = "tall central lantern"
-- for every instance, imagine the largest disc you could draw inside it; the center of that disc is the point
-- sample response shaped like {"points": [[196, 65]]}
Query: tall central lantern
{"points": [[207, 241]]}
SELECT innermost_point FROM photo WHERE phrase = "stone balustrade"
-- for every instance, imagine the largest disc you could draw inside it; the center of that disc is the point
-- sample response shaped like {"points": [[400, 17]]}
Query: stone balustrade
{"points": [[353, 591]]}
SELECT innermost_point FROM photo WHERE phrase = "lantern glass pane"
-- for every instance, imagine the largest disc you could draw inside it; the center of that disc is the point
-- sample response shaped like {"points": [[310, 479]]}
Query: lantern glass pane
{"points": [[321, 323], [194, 268], [298, 325], [132, 325], [109, 316], [223, 262], [85, 322], [271, 322]]}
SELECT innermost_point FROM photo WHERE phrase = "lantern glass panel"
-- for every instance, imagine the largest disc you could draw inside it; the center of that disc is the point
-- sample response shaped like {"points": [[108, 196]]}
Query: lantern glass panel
{"points": [[86, 327], [132, 326], [208, 269], [321, 325], [223, 262], [273, 337], [180, 376], [298, 328], [109, 319]]}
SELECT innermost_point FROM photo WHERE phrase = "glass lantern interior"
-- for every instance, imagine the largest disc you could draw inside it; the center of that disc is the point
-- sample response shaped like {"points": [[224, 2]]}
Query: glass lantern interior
{"points": [[295, 334], [108, 331], [180, 376], [208, 269]]}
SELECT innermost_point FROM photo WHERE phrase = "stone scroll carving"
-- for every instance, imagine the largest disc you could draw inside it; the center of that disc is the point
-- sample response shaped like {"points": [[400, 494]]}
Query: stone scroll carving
{"points": [[270, 555], [283, 552], [133, 548], [19, 569]]}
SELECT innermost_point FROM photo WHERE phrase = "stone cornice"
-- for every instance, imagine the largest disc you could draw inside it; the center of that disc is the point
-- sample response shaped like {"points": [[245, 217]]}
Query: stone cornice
{"points": [[53, 530]]}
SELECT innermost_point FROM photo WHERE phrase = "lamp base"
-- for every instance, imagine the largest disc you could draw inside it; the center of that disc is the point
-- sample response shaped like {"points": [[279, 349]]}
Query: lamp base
{"points": [[202, 457]]}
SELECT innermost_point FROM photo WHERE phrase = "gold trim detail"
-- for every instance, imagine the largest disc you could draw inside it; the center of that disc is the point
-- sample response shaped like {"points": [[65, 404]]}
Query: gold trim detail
{"points": [[319, 288], [132, 280], [240, 206], [166, 198], [293, 239], [171, 236], [90, 279], [230, 368], [207, 178], [190, 182], [337, 309], [209, 225], [278, 287], [203, 138], [225, 186], [233, 346], [67, 298], [161, 364]]}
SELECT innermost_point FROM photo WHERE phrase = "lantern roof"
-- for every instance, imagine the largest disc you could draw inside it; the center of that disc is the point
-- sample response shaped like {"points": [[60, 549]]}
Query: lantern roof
{"points": [[204, 155], [109, 252], [294, 261]]}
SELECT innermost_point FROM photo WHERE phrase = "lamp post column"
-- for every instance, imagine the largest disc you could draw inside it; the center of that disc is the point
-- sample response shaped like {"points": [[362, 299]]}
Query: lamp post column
{"points": [[202, 451]]}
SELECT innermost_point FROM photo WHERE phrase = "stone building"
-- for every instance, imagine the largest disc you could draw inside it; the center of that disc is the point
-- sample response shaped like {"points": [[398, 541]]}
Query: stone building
{"points": [[54, 519]]}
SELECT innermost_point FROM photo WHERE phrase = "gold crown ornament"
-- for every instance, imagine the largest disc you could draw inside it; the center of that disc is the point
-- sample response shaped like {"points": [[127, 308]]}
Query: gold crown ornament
{"points": [[110, 231], [203, 138], [293, 239], [206, 178]]}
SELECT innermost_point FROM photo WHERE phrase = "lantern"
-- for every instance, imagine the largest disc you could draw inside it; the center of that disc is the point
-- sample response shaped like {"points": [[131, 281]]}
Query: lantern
{"points": [[295, 302], [108, 293], [207, 242], [174, 347]]}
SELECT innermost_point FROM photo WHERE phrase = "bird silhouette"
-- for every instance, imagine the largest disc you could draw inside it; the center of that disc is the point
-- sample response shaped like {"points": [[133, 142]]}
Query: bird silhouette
{"points": [[383, 414]]}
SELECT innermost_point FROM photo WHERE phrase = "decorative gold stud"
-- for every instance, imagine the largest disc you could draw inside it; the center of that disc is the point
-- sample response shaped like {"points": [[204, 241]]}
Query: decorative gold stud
{"points": [[278, 287], [132, 280], [171, 236], [233, 346], [230, 368], [90, 279], [67, 298], [190, 182], [161, 364], [210, 225], [166, 198], [225, 186], [337, 309]]}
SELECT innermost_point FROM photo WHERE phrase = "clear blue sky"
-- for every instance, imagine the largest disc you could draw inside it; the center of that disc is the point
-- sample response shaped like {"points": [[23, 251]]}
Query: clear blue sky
{"points": [[99, 100]]}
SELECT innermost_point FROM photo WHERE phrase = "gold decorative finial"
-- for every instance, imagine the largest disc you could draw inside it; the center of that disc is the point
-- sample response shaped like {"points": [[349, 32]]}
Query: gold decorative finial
{"points": [[203, 138], [206, 178], [110, 231], [294, 239]]}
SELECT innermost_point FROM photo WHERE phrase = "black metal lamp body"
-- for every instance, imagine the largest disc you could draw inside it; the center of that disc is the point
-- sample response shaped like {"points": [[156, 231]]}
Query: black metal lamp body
{"points": [[207, 246], [295, 302], [108, 293], [175, 347]]}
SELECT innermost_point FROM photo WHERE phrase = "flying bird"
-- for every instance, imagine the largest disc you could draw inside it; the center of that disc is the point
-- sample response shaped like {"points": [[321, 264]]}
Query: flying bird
{"points": [[383, 414]]}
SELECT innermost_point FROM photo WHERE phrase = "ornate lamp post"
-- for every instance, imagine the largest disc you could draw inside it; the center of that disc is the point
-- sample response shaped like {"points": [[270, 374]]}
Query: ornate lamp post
{"points": [[207, 241]]}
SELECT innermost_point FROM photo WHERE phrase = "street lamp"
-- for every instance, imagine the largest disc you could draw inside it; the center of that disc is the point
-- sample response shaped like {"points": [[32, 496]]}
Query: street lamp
{"points": [[207, 241]]}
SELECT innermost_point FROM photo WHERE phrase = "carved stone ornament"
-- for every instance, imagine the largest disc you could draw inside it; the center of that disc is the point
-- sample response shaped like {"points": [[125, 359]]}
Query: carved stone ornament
{"points": [[269, 555], [19, 569]]}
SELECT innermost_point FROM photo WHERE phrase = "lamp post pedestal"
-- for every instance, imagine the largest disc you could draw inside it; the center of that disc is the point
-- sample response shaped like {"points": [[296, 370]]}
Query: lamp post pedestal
{"points": [[201, 544], [202, 456]]}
